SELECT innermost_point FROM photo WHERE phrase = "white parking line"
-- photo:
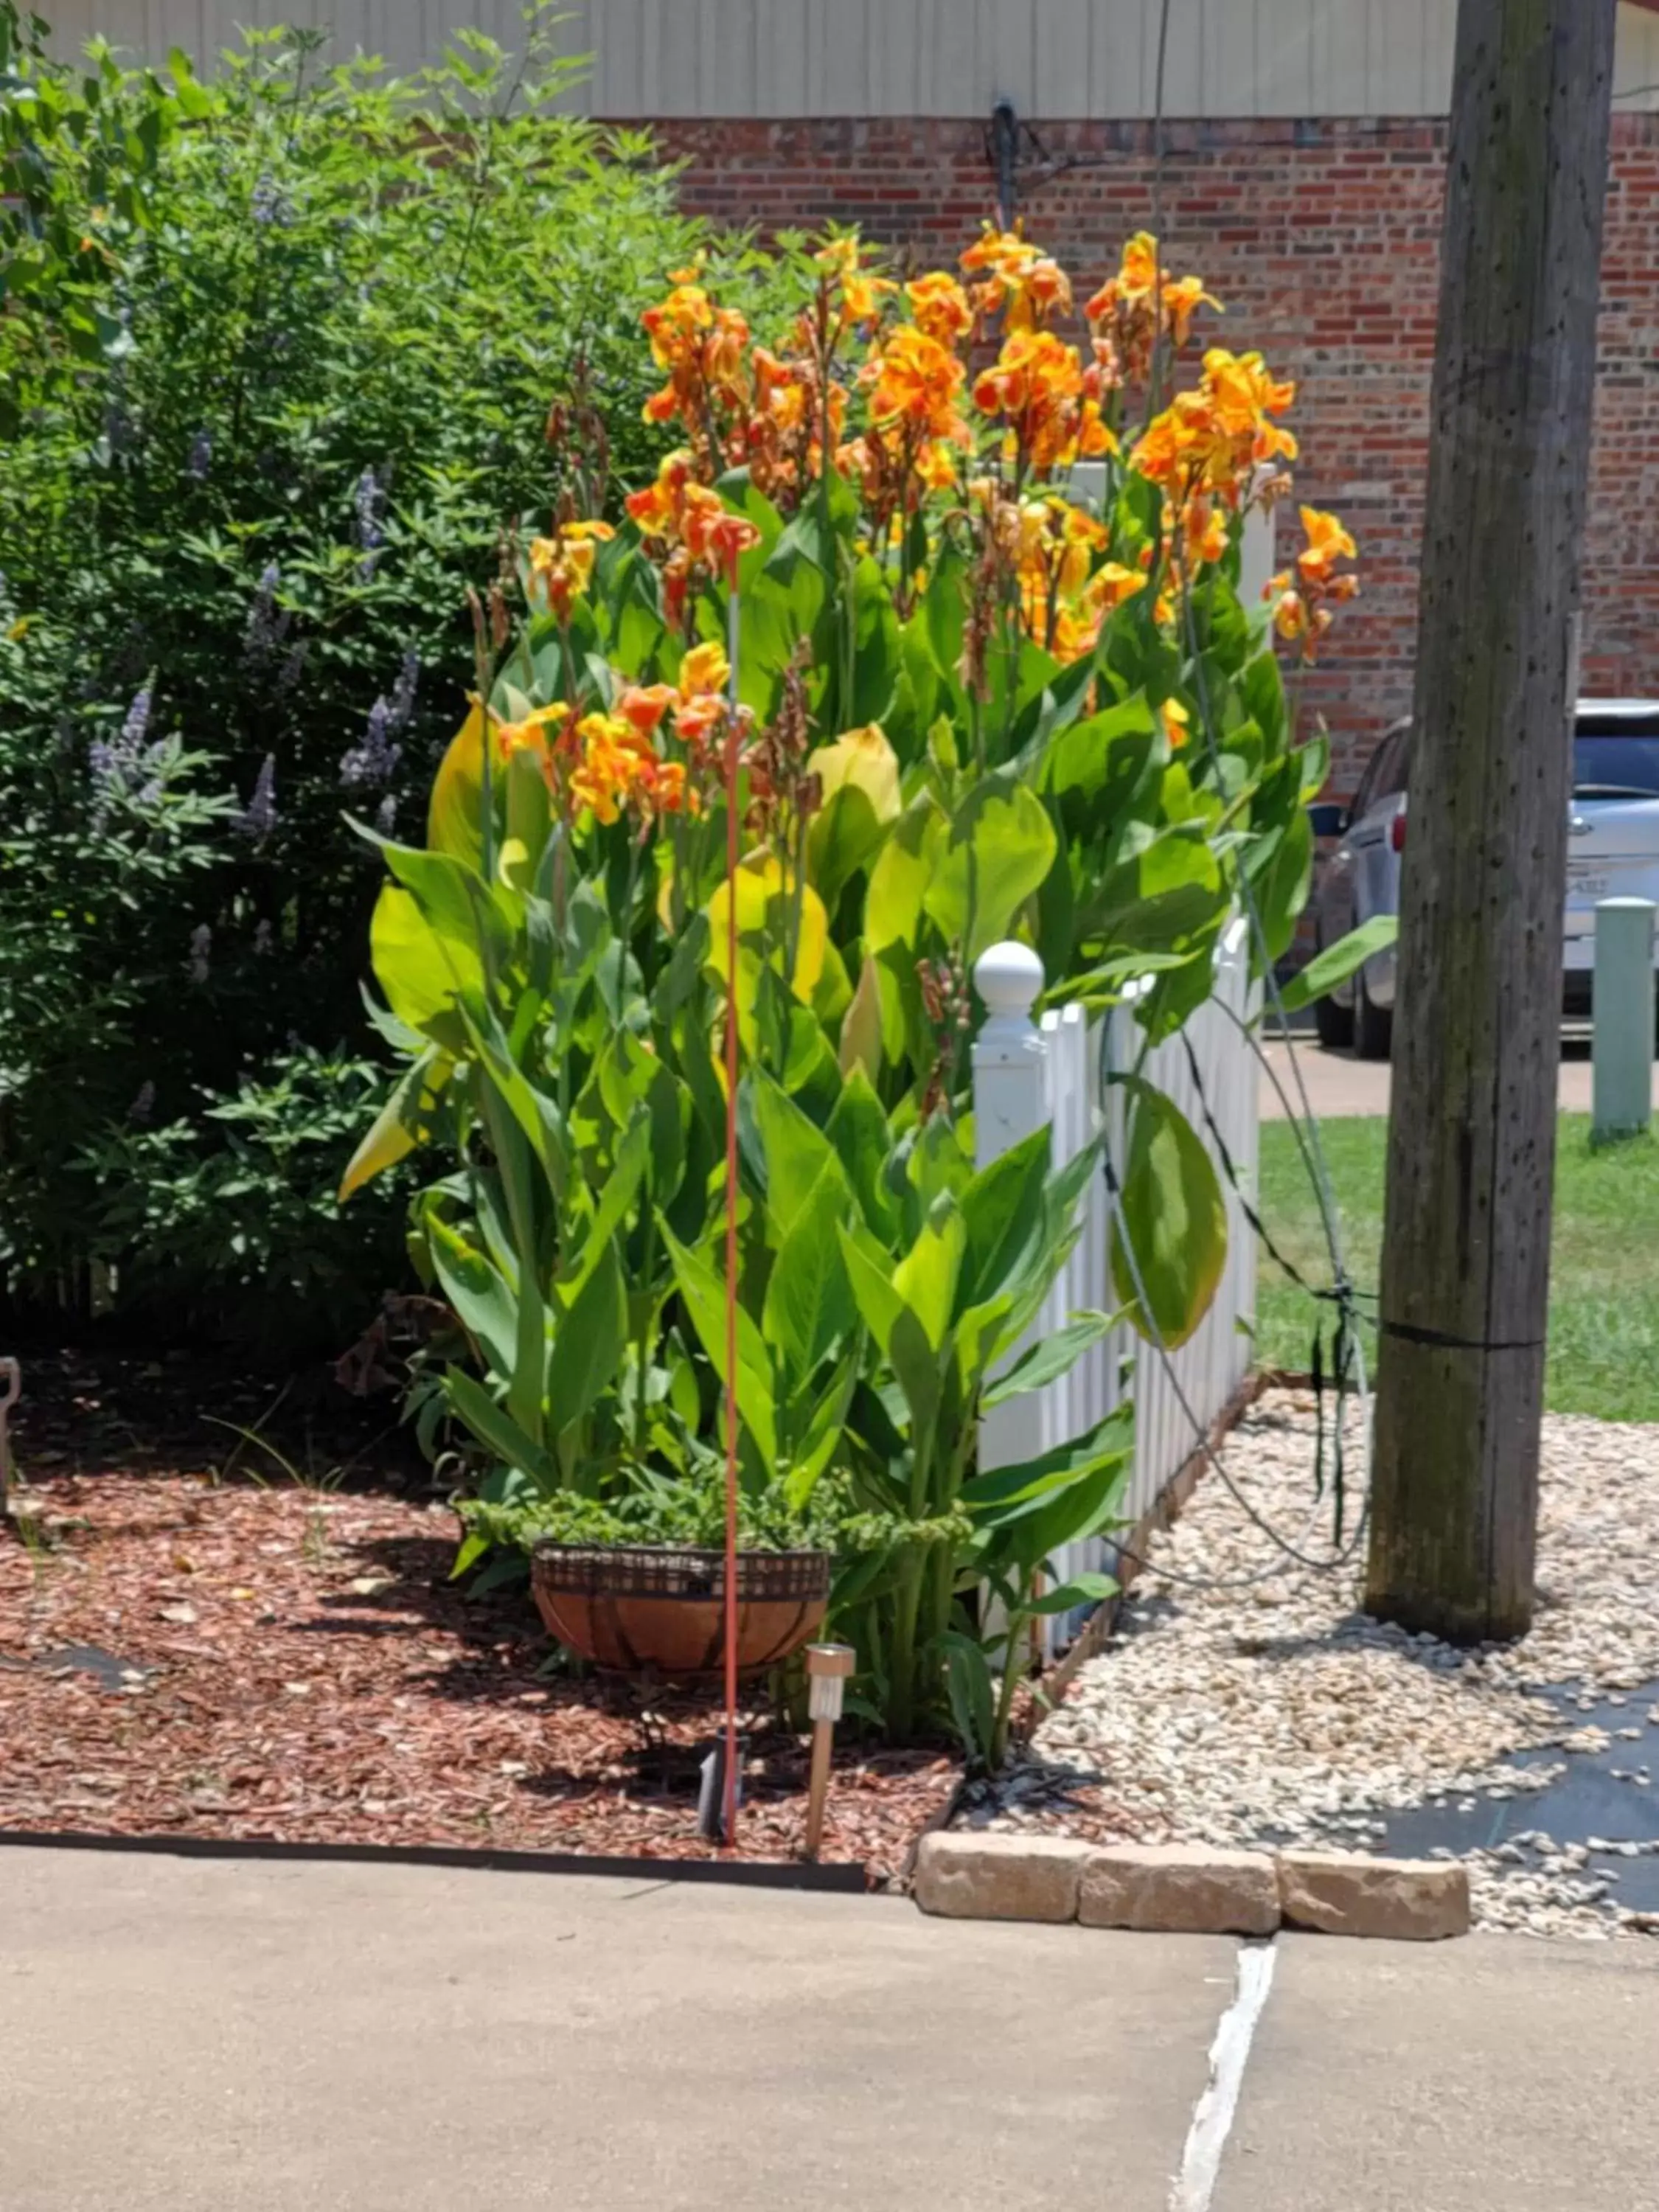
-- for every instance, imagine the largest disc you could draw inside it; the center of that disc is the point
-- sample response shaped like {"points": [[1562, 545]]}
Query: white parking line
{"points": [[1212, 2115]]}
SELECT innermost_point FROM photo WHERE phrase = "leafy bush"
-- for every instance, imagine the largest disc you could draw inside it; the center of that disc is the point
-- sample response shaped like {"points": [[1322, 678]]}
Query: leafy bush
{"points": [[241, 1195], [280, 352], [654, 884]]}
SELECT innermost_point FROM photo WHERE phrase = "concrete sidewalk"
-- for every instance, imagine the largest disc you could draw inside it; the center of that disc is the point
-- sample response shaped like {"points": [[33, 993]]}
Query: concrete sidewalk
{"points": [[1338, 1083], [189, 2036], [1502, 2073]]}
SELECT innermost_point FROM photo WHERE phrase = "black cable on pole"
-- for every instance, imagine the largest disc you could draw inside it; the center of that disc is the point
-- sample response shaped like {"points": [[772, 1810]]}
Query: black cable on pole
{"points": [[1005, 149]]}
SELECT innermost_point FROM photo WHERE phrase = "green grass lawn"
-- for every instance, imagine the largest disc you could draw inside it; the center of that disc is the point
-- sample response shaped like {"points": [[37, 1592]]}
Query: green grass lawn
{"points": [[1604, 1286]]}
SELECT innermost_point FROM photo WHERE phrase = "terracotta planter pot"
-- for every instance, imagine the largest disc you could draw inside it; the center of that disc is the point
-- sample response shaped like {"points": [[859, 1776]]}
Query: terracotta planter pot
{"points": [[641, 1609]]}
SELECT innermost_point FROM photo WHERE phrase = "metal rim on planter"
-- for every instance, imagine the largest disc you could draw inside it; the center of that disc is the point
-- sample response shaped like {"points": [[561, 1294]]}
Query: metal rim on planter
{"points": [[678, 1572]]}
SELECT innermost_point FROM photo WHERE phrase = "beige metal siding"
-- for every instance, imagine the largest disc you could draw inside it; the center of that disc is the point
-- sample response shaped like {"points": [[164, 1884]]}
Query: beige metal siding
{"points": [[781, 57]]}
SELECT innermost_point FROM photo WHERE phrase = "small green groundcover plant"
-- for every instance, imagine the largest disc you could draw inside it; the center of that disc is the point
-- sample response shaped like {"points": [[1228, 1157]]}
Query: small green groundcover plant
{"points": [[855, 628]]}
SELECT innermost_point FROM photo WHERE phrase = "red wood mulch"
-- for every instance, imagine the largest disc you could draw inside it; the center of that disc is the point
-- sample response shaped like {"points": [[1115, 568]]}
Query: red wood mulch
{"points": [[301, 1670]]}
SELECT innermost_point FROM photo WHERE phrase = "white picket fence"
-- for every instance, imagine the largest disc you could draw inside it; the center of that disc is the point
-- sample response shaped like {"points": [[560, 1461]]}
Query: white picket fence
{"points": [[1025, 1075]]}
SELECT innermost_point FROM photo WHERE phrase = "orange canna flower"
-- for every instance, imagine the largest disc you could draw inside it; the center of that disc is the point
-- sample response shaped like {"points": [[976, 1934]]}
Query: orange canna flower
{"points": [[1222, 439], [617, 771], [659, 507], [725, 540], [1327, 543], [940, 306], [562, 566], [1110, 586], [1303, 601], [1140, 301], [644, 705], [533, 733], [1290, 608], [935, 470], [702, 346], [1039, 386], [698, 719], [676, 586], [1177, 724], [861, 294], [1022, 283], [692, 521], [670, 793], [915, 384], [685, 313], [1205, 529]]}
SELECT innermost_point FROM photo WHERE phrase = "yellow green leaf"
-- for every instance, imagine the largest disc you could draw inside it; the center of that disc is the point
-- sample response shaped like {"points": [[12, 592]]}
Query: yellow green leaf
{"points": [[861, 1031], [419, 971], [767, 909], [455, 816], [898, 882], [401, 1123]]}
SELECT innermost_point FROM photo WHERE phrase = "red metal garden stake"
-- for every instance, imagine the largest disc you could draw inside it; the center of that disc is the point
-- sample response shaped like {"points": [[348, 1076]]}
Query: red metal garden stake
{"points": [[731, 765]]}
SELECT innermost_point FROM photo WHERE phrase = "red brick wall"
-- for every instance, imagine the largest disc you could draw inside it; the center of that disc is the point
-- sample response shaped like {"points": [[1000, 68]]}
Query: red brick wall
{"points": [[1321, 239]]}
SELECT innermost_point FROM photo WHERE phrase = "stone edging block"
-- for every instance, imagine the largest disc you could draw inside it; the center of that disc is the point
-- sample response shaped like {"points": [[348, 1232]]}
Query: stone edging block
{"points": [[1180, 1888], [1188, 1888], [998, 1877], [1347, 1893]]}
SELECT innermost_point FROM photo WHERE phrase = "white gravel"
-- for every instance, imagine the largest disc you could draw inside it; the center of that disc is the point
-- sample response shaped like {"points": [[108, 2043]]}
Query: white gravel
{"points": [[1280, 1711]]}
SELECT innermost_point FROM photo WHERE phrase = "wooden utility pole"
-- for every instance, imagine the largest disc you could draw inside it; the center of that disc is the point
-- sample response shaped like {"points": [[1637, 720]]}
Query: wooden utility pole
{"points": [[1477, 1028]]}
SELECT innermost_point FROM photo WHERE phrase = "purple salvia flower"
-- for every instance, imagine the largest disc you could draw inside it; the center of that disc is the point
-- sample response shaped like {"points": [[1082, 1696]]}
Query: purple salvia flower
{"points": [[259, 819], [201, 952], [117, 764], [136, 726], [366, 500], [293, 668], [386, 816], [262, 940], [106, 780], [374, 759], [266, 629], [201, 456], [143, 1105], [270, 206], [402, 702]]}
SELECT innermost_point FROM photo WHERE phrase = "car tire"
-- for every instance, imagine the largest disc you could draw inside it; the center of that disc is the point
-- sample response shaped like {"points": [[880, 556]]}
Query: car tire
{"points": [[1373, 1025], [1333, 1024]]}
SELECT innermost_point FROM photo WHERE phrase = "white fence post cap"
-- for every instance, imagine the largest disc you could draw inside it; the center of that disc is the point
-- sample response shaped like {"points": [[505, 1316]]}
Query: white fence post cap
{"points": [[1008, 977]]}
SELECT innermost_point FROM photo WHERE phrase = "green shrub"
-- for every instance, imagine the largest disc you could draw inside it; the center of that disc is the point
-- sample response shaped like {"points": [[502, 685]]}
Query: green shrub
{"points": [[280, 361]]}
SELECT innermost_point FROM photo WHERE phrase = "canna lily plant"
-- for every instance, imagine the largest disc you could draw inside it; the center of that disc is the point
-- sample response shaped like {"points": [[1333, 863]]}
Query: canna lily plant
{"points": [[956, 702]]}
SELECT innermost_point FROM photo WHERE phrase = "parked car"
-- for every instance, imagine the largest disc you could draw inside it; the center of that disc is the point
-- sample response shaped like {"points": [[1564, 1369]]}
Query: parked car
{"points": [[1612, 851]]}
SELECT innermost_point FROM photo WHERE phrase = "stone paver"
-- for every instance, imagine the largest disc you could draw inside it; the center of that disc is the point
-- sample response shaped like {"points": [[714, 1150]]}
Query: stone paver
{"points": [[1183, 1888], [1390, 1900], [966, 1876]]}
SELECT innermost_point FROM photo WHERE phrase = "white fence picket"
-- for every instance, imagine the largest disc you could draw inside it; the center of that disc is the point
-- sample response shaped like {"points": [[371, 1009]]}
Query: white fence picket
{"points": [[1178, 1398]]}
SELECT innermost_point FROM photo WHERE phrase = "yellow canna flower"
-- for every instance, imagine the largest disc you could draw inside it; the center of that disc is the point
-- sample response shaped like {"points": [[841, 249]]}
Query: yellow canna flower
{"points": [[532, 733], [562, 566], [705, 668]]}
